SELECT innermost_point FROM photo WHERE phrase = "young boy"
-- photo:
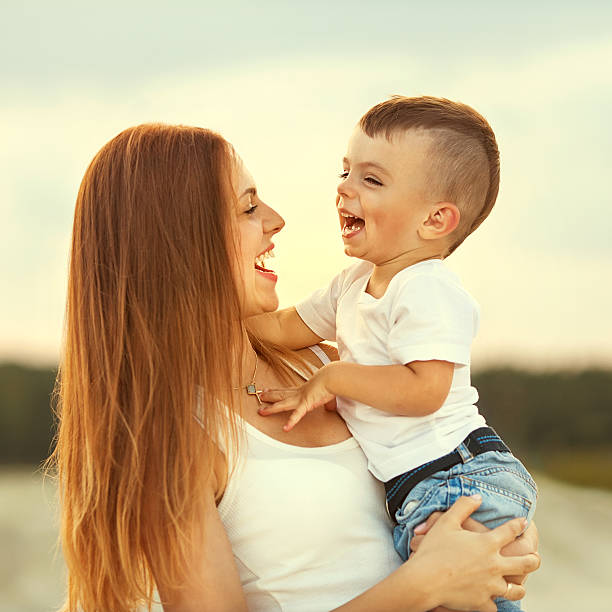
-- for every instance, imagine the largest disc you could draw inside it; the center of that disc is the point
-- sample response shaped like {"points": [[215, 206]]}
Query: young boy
{"points": [[419, 176]]}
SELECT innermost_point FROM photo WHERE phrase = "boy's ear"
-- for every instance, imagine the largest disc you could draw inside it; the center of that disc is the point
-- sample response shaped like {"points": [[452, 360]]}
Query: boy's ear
{"points": [[442, 220]]}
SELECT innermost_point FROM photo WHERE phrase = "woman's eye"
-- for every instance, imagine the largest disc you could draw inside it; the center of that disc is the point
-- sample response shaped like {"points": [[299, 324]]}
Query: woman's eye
{"points": [[251, 209], [372, 180]]}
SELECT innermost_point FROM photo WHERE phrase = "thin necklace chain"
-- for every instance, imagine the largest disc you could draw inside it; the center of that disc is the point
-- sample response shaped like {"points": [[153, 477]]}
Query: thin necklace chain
{"points": [[250, 387]]}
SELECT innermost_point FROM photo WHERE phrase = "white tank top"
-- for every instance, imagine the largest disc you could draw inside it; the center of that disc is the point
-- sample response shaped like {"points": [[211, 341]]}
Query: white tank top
{"points": [[308, 526]]}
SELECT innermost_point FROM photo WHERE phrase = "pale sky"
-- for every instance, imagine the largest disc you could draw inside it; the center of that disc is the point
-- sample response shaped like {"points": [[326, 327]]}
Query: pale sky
{"points": [[285, 83]]}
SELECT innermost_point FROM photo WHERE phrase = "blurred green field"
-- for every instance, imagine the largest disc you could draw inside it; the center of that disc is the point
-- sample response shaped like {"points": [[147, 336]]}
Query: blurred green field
{"points": [[588, 468]]}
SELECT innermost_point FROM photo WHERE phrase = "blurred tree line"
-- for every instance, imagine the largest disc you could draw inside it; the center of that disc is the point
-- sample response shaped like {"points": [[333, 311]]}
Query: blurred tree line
{"points": [[26, 419], [556, 422]]}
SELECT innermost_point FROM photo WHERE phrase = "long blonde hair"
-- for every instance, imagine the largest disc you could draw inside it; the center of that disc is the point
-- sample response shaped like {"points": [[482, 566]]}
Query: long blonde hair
{"points": [[152, 315]]}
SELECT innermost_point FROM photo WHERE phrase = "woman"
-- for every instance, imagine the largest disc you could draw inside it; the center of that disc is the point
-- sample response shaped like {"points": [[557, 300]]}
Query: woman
{"points": [[162, 480]]}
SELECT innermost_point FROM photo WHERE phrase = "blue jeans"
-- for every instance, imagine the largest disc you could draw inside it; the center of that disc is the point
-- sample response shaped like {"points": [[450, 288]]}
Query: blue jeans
{"points": [[507, 491]]}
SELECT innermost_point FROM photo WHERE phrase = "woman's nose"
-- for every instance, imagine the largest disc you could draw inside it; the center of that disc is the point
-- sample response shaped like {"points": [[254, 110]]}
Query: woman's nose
{"points": [[274, 222]]}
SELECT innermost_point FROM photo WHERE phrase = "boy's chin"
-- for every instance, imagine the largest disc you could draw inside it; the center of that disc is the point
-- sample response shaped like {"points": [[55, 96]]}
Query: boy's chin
{"points": [[358, 254], [351, 252]]}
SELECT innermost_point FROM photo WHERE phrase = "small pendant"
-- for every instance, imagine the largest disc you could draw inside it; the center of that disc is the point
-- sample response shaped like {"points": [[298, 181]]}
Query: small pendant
{"points": [[252, 390]]}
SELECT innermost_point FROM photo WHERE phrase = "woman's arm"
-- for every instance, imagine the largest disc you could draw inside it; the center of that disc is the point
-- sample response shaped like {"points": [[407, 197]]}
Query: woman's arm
{"points": [[215, 583], [453, 567], [284, 327]]}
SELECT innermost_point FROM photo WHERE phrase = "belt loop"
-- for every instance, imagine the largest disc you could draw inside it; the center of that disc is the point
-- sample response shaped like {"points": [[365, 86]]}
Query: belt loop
{"points": [[464, 452]]}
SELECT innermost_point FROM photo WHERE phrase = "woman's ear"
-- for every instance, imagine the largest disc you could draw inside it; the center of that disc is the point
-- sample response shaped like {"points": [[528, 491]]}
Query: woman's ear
{"points": [[442, 220]]}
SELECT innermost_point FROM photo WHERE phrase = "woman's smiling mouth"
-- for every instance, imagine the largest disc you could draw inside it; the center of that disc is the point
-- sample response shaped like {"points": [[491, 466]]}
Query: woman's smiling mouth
{"points": [[259, 264]]}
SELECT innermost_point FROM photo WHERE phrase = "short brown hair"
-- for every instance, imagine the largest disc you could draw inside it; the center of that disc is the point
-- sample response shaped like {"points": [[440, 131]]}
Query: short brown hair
{"points": [[464, 166]]}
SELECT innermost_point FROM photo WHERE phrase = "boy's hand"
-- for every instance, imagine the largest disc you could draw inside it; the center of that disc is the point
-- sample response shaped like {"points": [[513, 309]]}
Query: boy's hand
{"points": [[300, 400]]}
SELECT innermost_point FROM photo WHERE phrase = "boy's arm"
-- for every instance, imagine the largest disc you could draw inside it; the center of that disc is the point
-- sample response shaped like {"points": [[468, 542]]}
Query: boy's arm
{"points": [[283, 327], [416, 389]]}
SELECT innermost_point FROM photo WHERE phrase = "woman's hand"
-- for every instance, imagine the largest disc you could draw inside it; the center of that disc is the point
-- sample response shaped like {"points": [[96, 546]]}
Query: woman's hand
{"points": [[525, 544], [299, 400], [467, 567]]}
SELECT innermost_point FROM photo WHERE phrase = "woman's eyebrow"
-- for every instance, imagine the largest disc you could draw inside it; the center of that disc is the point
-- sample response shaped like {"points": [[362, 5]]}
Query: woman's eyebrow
{"points": [[250, 190]]}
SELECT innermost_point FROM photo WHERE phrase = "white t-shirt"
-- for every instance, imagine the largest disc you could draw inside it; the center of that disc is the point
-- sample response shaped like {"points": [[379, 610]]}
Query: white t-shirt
{"points": [[425, 314], [290, 563]]}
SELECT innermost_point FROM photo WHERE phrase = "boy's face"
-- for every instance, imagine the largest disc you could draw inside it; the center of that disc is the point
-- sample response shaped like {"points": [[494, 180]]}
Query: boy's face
{"points": [[382, 199]]}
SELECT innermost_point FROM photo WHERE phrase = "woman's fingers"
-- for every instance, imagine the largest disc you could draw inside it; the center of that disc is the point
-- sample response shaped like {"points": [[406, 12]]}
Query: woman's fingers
{"points": [[415, 542], [461, 510], [471, 525], [526, 543], [514, 592], [489, 606], [423, 528], [508, 532], [520, 565]]}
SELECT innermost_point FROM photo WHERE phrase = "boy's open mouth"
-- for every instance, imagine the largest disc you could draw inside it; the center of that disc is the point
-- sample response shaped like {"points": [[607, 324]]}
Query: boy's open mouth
{"points": [[351, 224]]}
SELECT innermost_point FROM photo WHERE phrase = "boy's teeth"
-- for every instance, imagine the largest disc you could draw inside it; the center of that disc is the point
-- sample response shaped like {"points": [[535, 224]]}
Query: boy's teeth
{"points": [[347, 229]]}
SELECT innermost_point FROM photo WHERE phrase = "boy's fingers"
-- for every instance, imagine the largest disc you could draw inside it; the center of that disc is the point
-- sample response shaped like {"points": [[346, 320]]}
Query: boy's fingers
{"points": [[274, 395], [277, 407], [461, 510], [295, 418], [508, 532], [331, 405]]}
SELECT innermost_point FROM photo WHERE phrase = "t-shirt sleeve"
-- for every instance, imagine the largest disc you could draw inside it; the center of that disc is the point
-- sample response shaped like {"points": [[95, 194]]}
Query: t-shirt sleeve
{"points": [[431, 318], [319, 310]]}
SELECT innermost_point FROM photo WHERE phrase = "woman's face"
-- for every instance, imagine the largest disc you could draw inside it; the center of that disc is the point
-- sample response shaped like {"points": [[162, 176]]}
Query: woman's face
{"points": [[256, 223]]}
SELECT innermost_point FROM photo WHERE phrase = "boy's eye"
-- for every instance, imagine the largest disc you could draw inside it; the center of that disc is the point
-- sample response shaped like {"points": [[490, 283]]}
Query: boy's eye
{"points": [[343, 174], [372, 180]]}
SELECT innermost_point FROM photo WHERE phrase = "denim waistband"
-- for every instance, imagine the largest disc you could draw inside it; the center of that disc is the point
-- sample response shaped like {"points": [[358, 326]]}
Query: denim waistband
{"points": [[478, 441]]}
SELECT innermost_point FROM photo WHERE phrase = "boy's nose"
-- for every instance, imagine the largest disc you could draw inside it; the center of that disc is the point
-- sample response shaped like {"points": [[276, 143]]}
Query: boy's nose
{"points": [[345, 189]]}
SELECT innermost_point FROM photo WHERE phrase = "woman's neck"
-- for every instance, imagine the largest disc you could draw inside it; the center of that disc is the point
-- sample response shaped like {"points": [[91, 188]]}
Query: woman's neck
{"points": [[246, 362]]}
